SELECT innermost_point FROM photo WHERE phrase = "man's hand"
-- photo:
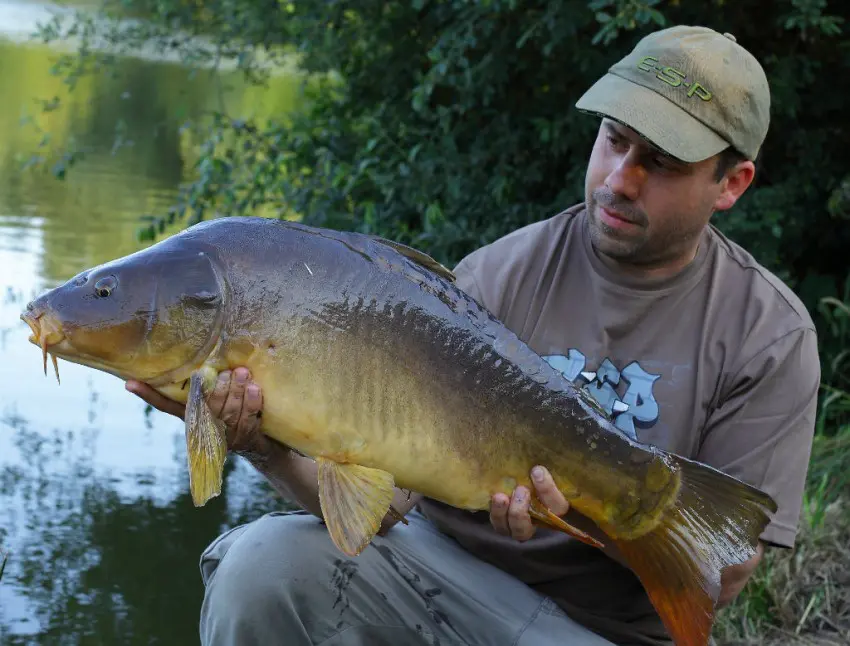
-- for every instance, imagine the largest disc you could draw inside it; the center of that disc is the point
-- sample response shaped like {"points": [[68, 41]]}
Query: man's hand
{"points": [[236, 400], [155, 399], [510, 517]]}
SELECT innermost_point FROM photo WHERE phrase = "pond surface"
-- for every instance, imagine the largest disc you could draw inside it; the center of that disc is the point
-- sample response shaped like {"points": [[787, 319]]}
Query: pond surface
{"points": [[102, 537]]}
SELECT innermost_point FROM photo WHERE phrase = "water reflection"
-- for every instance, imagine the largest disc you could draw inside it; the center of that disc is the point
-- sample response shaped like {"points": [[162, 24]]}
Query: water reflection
{"points": [[102, 536], [105, 567], [101, 566]]}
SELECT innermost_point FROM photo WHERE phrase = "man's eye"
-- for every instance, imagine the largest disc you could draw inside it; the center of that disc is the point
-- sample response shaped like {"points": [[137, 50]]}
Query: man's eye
{"points": [[664, 163]]}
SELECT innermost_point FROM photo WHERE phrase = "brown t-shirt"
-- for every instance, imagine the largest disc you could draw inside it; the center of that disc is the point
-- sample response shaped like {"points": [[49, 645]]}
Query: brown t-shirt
{"points": [[718, 363]]}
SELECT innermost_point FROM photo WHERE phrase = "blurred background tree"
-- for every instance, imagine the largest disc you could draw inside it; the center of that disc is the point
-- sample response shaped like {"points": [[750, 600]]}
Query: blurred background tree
{"points": [[447, 123]]}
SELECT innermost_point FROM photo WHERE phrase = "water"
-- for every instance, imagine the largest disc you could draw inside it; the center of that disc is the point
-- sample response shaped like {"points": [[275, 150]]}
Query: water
{"points": [[103, 539]]}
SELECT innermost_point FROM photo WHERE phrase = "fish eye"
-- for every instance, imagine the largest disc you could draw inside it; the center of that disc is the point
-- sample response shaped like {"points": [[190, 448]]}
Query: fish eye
{"points": [[105, 285]]}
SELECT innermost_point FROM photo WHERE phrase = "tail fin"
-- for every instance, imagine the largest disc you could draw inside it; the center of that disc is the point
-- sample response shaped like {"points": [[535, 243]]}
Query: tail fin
{"points": [[715, 522]]}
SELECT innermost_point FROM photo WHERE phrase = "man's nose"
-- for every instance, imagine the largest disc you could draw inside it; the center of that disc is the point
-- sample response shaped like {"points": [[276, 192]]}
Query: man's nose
{"points": [[627, 178]]}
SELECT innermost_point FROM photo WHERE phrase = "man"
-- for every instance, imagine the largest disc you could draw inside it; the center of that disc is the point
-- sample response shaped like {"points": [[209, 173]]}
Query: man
{"points": [[675, 330]]}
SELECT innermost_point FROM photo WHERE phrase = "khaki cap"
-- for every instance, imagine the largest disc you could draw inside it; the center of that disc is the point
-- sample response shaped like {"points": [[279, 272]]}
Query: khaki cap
{"points": [[690, 91]]}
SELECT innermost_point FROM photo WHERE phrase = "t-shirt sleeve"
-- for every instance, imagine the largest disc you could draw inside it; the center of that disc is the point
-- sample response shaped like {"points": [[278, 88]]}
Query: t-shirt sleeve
{"points": [[467, 273], [761, 432]]}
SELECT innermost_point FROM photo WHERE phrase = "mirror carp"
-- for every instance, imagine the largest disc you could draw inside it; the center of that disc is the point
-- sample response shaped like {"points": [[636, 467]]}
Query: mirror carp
{"points": [[377, 365]]}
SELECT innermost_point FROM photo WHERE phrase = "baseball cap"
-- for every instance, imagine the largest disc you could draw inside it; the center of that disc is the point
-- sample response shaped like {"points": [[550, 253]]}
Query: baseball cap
{"points": [[691, 91]]}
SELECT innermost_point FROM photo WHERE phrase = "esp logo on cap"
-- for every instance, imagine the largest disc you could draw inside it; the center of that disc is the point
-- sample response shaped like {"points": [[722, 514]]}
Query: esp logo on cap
{"points": [[673, 77]]}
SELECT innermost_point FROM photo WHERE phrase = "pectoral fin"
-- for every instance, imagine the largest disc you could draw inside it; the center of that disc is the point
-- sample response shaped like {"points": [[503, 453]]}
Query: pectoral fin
{"points": [[206, 440], [354, 501], [546, 517]]}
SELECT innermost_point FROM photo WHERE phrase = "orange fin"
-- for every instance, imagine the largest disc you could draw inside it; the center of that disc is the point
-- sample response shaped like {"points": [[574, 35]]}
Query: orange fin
{"points": [[354, 501], [545, 516], [715, 522]]}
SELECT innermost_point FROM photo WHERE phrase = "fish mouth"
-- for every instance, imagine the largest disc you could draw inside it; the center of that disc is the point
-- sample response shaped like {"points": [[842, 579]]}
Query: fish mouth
{"points": [[46, 333]]}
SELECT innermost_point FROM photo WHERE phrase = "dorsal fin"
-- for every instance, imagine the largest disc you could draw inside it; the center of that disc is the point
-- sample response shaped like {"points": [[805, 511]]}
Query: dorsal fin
{"points": [[419, 257], [353, 241]]}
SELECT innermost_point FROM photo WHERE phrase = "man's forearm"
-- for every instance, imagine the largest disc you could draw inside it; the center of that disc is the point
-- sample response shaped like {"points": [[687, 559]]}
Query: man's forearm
{"points": [[296, 479], [733, 579], [293, 476]]}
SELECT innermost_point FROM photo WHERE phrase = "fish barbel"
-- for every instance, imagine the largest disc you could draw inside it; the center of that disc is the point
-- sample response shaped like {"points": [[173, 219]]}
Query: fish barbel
{"points": [[375, 364]]}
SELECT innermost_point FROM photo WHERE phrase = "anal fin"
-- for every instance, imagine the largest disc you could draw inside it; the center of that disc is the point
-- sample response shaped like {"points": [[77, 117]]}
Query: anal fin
{"points": [[354, 501], [395, 513], [206, 440], [544, 516]]}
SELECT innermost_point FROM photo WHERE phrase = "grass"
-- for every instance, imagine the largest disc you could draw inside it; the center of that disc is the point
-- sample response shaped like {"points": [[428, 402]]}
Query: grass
{"points": [[801, 597]]}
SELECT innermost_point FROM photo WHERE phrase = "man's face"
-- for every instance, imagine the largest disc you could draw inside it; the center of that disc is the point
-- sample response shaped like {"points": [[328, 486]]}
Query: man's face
{"points": [[647, 208]]}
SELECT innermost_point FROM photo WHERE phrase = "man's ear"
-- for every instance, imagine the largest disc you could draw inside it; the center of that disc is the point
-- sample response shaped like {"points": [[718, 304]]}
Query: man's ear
{"points": [[733, 185]]}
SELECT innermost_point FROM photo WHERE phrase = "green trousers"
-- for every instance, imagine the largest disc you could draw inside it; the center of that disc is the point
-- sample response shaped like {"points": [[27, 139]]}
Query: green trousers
{"points": [[280, 580]]}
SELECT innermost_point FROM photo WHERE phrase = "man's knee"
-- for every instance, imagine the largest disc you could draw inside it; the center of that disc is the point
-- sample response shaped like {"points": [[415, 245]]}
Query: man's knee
{"points": [[273, 549], [258, 563], [259, 579]]}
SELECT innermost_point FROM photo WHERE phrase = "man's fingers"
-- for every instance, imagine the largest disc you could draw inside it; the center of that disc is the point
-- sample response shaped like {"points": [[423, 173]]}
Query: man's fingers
{"points": [[218, 396], [232, 408], [155, 399], [499, 514], [249, 420], [548, 492], [518, 516]]}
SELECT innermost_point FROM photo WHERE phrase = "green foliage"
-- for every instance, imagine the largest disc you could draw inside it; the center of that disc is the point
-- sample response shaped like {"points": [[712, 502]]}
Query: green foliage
{"points": [[447, 123], [833, 317]]}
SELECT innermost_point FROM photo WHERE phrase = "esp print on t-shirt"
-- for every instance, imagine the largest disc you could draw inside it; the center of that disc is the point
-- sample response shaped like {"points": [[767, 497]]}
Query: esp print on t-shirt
{"points": [[625, 393]]}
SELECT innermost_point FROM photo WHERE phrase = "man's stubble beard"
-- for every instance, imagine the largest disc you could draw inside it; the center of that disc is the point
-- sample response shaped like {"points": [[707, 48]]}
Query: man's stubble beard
{"points": [[610, 242], [639, 250]]}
